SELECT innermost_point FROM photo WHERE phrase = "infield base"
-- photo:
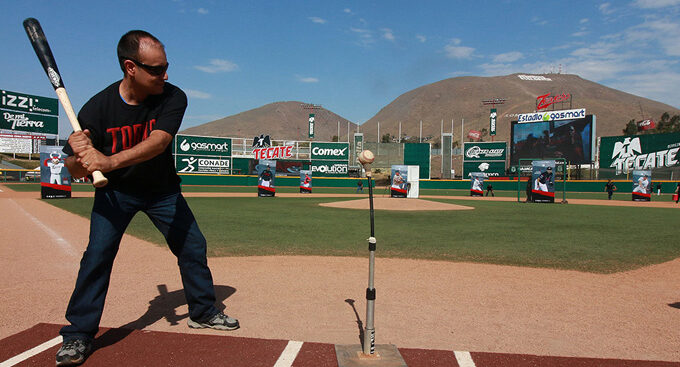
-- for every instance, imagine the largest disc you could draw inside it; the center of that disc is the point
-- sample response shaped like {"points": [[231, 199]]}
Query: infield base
{"points": [[352, 355]]}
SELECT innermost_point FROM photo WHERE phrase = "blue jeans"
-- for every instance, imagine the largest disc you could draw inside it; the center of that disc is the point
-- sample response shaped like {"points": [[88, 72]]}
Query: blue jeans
{"points": [[111, 213]]}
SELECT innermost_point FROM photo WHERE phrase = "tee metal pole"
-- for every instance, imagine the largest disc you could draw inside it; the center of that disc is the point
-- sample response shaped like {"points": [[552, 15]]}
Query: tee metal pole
{"points": [[369, 332]]}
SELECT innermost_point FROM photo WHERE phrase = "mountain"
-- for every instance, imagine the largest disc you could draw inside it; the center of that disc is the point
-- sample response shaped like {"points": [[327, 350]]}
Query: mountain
{"points": [[461, 98], [281, 121]]}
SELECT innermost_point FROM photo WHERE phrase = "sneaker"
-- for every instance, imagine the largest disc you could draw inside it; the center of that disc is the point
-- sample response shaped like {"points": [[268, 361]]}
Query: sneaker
{"points": [[73, 352], [220, 322]]}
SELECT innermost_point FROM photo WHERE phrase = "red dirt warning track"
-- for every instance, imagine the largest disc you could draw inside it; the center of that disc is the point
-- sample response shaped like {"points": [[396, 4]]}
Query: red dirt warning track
{"points": [[127, 347]]}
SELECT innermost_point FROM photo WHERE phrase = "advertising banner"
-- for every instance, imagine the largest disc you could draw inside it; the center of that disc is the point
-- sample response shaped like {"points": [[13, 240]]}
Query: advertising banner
{"points": [[543, 181], [203, 165], [202, 154], [330, 151], [202, 145], [55, 179], [578, 113], [492, 122], [25, 112], [329, 168], [490, 168], [265, 178], [306, 181], [642, 185], [643, 152], [311, 125], [485, 151], [477, 183], [14, 143], [358, 148], [398, 178], [485, 157]]}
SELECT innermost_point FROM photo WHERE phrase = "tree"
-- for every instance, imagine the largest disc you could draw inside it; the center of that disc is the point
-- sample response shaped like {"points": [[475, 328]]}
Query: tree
{"points": [[631, 128], [484, 132], [665, 124], [335, 138], [386, 138]]}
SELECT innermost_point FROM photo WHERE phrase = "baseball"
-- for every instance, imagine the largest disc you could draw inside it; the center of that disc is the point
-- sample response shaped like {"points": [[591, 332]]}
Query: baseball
{"points": [[366, 157]]}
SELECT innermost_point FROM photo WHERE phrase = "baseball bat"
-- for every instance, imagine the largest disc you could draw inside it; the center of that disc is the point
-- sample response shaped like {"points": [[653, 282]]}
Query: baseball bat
{"points": [[44, 53]]}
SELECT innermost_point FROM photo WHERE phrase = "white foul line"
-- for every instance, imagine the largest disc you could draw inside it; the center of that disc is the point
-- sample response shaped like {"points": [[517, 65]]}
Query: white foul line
{"points": [[65, 245], [31, 352], [464, 359], [288, 355]]}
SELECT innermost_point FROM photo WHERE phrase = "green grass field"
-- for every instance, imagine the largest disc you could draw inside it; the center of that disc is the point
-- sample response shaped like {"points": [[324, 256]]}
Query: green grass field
{"points": [[85, 187], [598, 239]]}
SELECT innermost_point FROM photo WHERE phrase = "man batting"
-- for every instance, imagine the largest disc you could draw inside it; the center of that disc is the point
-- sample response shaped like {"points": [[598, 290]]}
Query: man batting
{"points": [[127, 132]]}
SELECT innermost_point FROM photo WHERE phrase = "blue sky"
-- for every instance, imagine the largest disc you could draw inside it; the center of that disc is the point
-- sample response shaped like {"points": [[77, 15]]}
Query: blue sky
{"points": [[351, 57]]}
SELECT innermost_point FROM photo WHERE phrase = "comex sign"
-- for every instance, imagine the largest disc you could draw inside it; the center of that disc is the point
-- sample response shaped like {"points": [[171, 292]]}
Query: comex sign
{"points": [[335, 153], [330, 151]]}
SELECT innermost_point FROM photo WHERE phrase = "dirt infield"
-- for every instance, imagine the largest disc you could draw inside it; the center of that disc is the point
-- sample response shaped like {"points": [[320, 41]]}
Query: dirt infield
{"points": [[420, 304], [395, 204]]}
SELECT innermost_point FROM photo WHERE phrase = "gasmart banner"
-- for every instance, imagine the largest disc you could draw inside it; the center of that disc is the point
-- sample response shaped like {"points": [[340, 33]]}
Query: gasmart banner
{"points": [[552, 115], [330, 159], [485, 157], [202, 154], [29, 113], [641, 152]]}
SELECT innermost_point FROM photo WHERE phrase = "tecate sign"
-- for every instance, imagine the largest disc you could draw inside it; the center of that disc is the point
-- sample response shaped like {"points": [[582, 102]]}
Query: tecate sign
{"points": [[552, 116], [628, 155]]}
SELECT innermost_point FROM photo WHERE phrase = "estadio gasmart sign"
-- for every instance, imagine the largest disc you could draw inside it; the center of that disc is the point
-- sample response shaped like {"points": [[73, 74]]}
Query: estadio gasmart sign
{"points": [[552, 115]]}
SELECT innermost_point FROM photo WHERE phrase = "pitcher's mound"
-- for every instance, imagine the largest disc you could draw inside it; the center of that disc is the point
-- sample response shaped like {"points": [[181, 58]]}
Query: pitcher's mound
{"points": [[395, 204]]}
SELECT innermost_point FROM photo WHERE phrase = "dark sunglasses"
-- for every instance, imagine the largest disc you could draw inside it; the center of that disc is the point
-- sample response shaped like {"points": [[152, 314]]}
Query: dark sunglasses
{"points": [[153, 70]]}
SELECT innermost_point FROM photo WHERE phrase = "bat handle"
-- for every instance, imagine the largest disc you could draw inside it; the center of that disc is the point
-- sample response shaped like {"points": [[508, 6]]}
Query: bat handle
{"points": [[98, 179]]}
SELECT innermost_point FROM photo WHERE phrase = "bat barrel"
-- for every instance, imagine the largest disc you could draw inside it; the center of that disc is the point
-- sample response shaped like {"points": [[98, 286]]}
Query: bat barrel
{"points": [[43, 51]]}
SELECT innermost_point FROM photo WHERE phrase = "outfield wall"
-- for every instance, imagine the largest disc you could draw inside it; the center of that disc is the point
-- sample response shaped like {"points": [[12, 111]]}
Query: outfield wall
{"points": [[283, 181]]}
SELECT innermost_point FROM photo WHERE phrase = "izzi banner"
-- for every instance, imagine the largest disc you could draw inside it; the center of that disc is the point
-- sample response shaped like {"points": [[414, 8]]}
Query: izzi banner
{"points": [[25, 112], [642, 152]]}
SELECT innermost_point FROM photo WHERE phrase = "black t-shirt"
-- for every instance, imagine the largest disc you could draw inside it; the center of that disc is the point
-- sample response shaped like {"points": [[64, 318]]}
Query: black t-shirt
{"points": [[116, 126]]}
